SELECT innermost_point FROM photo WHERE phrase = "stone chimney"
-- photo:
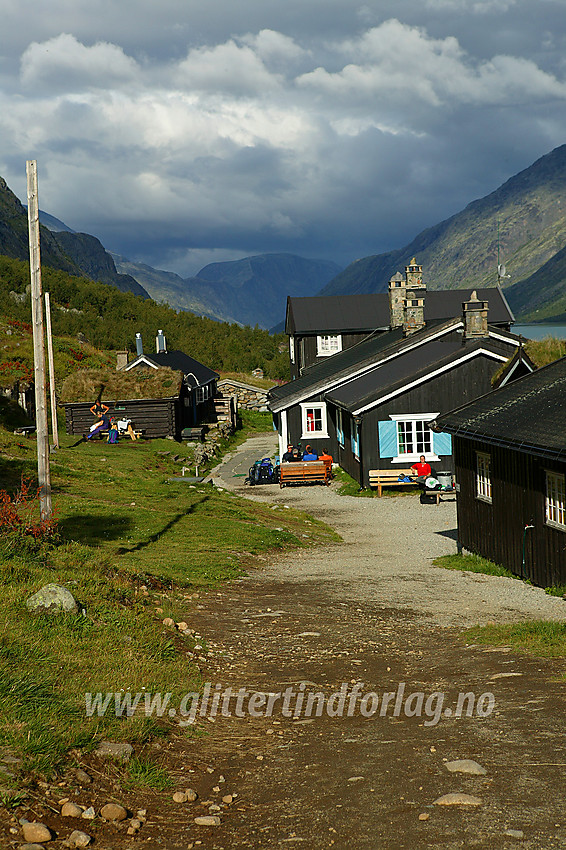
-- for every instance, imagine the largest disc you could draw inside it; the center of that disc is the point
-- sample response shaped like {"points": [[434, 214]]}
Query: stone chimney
{"points": [[414, 275], [413, 315], [475, 317], [413, 305], [396, 300], [121, 360]]}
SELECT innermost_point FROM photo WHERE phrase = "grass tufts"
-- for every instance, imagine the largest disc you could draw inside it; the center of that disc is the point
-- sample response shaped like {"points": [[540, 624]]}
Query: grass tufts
{"points": [[472, 564]]}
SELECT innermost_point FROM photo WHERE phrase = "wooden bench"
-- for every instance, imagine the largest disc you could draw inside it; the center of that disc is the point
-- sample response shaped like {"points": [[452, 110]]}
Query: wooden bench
{"points": [[304, 472], [381, 478], [437, 494]]}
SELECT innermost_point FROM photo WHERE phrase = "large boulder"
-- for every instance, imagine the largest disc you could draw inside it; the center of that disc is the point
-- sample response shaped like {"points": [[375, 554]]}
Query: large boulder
{"points": [[52, 598]]}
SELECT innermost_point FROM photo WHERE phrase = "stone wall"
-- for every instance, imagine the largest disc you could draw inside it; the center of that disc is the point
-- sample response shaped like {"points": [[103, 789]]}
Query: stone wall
{"points": [[249, 397]]}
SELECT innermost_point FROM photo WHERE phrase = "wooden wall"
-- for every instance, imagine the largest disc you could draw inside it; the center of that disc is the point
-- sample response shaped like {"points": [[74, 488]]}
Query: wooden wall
{"points": [[160, 417], [496, 530]]}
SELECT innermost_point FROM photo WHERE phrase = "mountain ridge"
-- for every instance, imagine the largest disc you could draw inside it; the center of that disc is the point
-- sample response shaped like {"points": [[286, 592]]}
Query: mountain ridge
{"points": [[523, 222]]}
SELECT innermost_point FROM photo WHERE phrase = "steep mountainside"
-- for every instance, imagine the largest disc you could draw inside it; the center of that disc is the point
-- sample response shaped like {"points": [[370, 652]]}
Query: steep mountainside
{"points": [[542, 295], [528, 211], [249, 291], [76, 253]]}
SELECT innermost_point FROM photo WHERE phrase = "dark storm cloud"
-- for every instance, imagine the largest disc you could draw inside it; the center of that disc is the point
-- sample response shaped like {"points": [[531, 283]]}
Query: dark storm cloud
{"points": [[181, 132]]}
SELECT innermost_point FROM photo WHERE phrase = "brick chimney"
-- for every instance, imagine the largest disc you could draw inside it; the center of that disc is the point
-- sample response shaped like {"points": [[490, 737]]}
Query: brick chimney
{"points": [[474, 314], [396, 300], [414, 275], [121, 360]]}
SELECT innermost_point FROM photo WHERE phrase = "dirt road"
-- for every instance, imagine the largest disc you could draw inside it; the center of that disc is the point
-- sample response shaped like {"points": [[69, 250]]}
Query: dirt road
{"points": [[373, 611]]}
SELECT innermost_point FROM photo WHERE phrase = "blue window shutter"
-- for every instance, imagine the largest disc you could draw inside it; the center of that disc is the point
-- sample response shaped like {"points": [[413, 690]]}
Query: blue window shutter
{"points": [[387, 438], [442, 444]]}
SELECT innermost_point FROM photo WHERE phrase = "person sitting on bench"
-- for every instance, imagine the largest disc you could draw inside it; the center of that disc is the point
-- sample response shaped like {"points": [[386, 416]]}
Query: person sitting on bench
{"points": [[422, 469], [310, 454], [288, 456]]}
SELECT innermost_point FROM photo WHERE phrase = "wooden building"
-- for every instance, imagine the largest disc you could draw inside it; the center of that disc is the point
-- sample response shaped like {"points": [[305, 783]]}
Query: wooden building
{"points": [[510, 464], [370, 404], [322, 326], [157, 417], [189, 398]]}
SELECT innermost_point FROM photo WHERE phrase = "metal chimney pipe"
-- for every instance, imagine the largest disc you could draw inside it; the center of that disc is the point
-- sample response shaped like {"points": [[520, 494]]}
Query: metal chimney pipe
{"points": [[139, 344], [160, 344]]}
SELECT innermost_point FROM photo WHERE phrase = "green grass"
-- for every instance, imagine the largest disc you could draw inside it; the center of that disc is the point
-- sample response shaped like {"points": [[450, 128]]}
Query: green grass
{"points": [[131, 542], [556, 590], [143, 773], [537, 637], [472, 564]]}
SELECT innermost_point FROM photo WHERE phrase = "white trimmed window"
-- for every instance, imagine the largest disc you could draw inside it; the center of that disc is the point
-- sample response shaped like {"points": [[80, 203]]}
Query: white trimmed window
{"points": [[202, 394], [555, 503], [339, 427], [483, 476], [292, 348], [313, 419], [414, 437], [327, 345]]}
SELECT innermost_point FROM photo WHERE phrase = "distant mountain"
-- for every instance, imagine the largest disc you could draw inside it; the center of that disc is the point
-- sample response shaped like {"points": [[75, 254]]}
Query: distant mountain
{"points": [[528, 212], [542, 295], [249, 291], [75, 253]]}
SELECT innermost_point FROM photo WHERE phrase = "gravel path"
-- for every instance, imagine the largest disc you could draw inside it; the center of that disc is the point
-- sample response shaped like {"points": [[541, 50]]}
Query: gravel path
{"points": [[387, 553]]}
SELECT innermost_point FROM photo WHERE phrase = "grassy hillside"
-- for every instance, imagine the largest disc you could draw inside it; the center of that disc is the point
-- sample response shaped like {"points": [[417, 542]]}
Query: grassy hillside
{"points": [[527, 212], [109, 319], [132, 548]]}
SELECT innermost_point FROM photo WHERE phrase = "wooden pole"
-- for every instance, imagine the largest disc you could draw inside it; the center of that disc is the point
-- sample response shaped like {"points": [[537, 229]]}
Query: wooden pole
{"points": [[54, 428], [43, 471]]}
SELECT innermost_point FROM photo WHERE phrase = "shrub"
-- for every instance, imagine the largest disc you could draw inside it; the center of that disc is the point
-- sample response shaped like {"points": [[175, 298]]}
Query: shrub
{"points": [[21, 527]]}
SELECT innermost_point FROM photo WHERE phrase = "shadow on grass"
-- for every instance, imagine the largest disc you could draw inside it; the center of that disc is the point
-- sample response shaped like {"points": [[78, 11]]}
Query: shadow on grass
{"points": [[153, 538], [90, 529]]}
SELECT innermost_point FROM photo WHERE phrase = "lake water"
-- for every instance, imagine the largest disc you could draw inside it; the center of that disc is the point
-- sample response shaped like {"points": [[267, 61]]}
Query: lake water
{"points": [[540, 331]]}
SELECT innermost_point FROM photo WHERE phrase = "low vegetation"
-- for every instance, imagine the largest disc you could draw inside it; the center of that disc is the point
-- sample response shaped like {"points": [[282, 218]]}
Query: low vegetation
{"points": [[537, 637], [87, 384], [133, 547], [472, 564]]}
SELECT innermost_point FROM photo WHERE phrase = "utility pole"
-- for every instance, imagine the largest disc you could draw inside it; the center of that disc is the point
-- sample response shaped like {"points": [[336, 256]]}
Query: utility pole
{"points": [[43, 471], [54, 428]]}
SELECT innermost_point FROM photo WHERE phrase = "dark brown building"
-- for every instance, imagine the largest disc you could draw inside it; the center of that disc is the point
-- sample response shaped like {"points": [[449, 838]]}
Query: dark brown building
{"points": [[322, 326], [510, 464]]}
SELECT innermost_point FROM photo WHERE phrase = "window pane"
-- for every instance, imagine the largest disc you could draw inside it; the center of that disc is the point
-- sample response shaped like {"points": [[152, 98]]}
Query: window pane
{"points": [[555, 498], [405, 435], [314, 419]]}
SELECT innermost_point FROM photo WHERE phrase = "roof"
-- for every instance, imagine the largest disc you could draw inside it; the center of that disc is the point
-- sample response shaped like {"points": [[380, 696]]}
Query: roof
{"points": [[196, 374], [368, 312], [358, 376], [344, 365], [528, 414], [412, 368]]}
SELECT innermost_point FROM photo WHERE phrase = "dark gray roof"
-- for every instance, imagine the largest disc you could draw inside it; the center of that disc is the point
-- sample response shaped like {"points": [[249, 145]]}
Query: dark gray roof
{"points": [[412, 365], [181, 362], [335, 370], [528, 414], [365, 313]]}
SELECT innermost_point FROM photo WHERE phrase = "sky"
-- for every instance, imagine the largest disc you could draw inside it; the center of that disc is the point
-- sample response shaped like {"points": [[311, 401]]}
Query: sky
{"points": [[182, 133]]}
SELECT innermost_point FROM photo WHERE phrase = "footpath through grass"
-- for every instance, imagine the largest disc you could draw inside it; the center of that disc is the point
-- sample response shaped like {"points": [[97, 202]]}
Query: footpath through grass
{"points": [[134, 549]]}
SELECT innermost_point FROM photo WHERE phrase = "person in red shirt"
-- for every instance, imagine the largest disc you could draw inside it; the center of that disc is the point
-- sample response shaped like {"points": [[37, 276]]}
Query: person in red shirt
{"points": [[421, 469]]}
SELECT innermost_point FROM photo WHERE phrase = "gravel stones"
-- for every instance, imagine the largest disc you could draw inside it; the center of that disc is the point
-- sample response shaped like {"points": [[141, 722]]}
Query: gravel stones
{"points": [[208, 820], [186, 796], [115, 750], [36, 833], [113, 811], [71, 810], [78, 838], [457, 798], [465, 766], [82, 776]]}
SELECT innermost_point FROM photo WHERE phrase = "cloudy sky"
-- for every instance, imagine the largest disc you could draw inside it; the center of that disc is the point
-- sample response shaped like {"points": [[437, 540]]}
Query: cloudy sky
{"points": [[183, 132]]}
